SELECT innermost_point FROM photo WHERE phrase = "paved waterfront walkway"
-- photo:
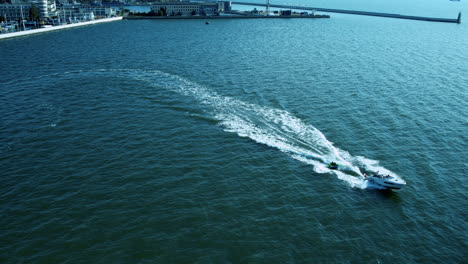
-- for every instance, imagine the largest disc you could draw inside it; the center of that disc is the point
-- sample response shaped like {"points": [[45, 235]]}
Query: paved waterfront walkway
{"points": [[42, 30]]}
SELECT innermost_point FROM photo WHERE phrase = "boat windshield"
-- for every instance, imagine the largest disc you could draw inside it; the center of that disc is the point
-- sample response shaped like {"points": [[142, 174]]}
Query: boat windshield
{"points": [[382, 176]]}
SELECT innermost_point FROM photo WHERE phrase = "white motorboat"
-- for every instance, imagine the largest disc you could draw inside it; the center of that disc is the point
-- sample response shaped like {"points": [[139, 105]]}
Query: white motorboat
{"points": [[386, 181]]}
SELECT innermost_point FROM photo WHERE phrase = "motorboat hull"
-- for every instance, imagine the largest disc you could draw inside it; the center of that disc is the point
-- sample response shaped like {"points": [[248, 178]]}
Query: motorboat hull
{"points": [[388, 182]]}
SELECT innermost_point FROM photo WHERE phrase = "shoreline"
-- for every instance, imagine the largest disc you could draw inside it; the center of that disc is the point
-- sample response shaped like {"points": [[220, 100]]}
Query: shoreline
{"points": [[221, 17], [43, 30]]}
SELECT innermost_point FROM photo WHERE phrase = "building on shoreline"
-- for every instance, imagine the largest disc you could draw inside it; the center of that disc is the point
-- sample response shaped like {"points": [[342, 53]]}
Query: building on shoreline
{"points": [[18, 13], [20, 9], [190, 8], [72, 13]]}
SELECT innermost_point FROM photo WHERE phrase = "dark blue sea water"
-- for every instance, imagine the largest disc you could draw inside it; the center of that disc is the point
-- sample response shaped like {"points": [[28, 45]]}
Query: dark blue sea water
{"points": [[180, 142]]}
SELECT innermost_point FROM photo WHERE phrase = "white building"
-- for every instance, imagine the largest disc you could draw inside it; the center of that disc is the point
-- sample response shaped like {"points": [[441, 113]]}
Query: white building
{"points": [[20, 9], [47, 9], [74, 13], [100, 11], [189, 8]]}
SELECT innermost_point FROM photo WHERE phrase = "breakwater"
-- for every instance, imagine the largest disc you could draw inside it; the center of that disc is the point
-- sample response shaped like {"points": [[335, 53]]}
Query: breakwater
{"points": [[43, 30], [354, 12]]}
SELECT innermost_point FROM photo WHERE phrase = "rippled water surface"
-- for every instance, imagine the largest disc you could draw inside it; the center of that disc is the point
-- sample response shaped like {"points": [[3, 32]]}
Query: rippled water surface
{"points": [[180, 142]]}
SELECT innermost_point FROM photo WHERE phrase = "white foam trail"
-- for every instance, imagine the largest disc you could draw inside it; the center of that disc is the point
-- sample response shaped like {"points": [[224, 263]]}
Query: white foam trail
{"points": [[269, 126], [275, 128], [319, 167]]}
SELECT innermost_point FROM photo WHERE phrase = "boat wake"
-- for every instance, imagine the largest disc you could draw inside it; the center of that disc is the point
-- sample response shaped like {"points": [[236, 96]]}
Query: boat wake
{"points": [[272, 127]]}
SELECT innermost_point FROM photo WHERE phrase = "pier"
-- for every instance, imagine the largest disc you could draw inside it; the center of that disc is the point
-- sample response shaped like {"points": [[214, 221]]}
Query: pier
{"points": [[353, 12]]}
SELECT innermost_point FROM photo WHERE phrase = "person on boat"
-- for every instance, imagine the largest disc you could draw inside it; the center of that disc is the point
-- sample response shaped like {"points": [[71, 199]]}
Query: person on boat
{"points": [[333, 166]]}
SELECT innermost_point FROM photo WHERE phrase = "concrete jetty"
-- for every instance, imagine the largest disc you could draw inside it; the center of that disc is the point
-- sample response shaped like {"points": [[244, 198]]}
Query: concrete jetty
{"points": [[49, 29], [353, 12]]}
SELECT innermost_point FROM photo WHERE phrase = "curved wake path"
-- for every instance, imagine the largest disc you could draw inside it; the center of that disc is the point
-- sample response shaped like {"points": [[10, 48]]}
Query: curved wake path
{"points": [[265, 125]]}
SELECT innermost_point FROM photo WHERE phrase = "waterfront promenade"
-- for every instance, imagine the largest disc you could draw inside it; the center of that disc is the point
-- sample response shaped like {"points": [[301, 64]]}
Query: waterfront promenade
{"points": [[43, 30]]}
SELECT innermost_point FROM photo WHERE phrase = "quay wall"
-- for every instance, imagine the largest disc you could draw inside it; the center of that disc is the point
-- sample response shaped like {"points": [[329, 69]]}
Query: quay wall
{"points": [[223, 17], [49, 29]]}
